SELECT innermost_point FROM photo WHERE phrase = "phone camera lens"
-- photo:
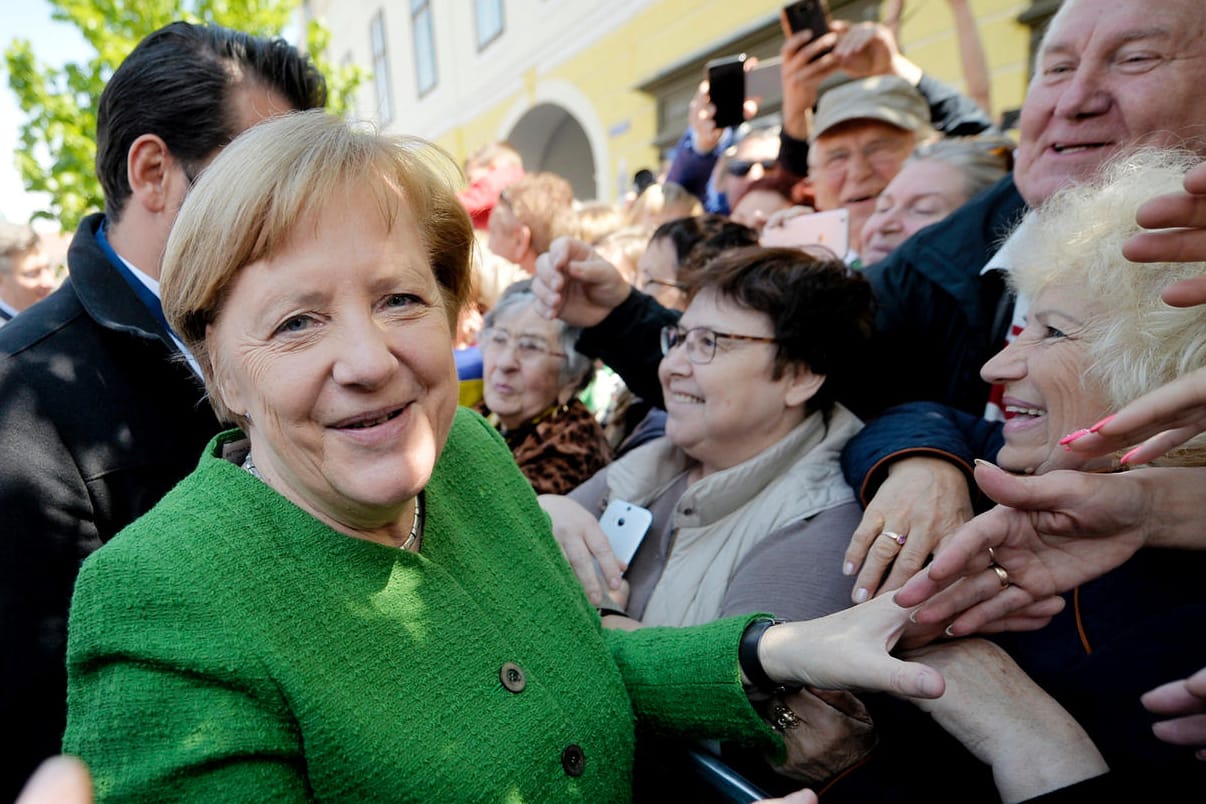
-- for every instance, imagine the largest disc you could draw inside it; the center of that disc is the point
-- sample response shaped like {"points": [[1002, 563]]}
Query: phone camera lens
{"points": [[620, 521]]}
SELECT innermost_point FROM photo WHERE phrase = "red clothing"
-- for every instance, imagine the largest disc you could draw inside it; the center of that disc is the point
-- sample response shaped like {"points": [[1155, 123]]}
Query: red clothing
{"points": [[480, 197]]}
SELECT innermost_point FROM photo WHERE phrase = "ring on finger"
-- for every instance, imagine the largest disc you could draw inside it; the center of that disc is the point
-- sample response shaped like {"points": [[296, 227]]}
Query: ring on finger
{"points": [[899, 538], [782, 718], [1002, 574]]}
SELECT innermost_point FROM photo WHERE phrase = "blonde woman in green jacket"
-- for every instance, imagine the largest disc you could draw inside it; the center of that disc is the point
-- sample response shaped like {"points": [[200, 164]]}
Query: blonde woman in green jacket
{"points": [[355, 595]]}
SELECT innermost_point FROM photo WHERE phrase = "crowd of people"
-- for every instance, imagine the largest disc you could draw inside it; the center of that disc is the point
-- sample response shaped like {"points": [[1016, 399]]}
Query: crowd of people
{"points": [[308, 461]]}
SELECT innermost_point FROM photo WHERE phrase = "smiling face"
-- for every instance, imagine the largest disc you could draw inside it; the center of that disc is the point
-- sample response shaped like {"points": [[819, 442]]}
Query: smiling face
{"points": [[924, 192], [338, 350], [521, 382], [851, 164], [1046, 397], [1110, 75], [731, 409]]}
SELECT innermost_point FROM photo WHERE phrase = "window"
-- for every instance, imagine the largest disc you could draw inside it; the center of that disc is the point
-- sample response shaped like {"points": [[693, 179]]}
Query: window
{"points": [[425, 60], [381, 80], [489, 21]]}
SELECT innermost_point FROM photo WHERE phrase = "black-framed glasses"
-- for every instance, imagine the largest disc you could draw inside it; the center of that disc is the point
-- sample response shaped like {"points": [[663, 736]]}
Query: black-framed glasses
{"points": [[528, 348], [740, 167], [701, 341]]}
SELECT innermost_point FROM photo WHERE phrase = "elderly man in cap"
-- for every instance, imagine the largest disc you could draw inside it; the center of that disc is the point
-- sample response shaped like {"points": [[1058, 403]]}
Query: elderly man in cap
{"points": [[25, 272], [862, 134]]}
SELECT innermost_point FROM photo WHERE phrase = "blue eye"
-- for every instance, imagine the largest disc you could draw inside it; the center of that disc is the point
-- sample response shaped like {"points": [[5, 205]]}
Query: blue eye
{"points": [[297, 323], [1054, 332], [402, 299]]}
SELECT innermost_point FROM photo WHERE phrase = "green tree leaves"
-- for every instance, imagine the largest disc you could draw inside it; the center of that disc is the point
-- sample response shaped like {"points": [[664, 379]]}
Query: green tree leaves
{"points": [[56, 147]]}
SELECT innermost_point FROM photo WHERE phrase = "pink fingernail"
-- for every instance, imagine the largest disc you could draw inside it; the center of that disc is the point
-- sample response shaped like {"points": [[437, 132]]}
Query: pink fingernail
{"points": [[1102, 423], [860, 595], [1070, 437], [1126, 459]]}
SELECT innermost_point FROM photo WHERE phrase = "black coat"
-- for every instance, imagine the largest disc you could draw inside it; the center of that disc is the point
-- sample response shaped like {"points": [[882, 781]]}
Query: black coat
{"points": [[101, 417]]}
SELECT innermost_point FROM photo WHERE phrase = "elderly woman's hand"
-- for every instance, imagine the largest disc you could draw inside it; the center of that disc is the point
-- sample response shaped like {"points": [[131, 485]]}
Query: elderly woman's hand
{"points": [[922, 501], [1050, 534], [1007, 721], [587, 549], [825, 732]]}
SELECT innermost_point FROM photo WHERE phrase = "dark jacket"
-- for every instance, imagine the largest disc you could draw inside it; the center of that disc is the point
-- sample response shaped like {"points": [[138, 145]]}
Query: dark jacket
{"points": [[101, 417], [937, 318], [917, 429]]}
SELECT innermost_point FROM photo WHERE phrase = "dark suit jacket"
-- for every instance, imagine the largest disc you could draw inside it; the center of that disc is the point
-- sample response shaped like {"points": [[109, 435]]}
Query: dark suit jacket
{"points": [[100, 417]]}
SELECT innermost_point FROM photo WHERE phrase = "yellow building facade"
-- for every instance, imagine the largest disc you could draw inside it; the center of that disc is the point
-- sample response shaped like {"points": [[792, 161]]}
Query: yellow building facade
{"points": [[595, 90]]}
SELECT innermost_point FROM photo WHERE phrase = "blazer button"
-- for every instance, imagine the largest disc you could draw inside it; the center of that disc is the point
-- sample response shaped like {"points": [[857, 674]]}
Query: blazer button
{"points": [[512, 677], [573, 760]]}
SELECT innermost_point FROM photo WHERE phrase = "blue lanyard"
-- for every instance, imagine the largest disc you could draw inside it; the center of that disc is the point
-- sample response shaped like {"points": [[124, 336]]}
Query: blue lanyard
{"points": [[144, 293]]}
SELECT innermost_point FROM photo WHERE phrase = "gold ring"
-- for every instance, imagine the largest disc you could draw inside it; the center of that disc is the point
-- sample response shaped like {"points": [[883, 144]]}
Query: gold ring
{"points": [[1002, 575], [899, 538], [782, 718]]}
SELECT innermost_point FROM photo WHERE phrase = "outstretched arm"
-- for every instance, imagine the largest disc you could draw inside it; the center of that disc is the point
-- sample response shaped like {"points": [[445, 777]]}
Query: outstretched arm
{"points": [[1050, 534]]}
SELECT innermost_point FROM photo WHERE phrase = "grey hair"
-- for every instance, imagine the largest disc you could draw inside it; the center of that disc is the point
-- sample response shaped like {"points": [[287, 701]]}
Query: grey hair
{"points": [[578, 369], [15, 239], [981, 161], [1136, 342]]}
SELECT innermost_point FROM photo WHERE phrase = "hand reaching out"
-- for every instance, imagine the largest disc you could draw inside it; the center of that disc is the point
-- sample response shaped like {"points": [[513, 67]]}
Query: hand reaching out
{"points": [[921, 502]]}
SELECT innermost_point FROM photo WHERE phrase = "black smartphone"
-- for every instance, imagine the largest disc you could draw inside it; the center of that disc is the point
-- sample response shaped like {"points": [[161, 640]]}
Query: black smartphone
{"points": [[812, 15], [726, 88]]}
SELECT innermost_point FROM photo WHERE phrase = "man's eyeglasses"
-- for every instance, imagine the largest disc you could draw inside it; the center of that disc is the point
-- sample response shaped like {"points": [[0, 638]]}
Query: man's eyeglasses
{"points": [[740, 167], [528, 348], [701, 341]]}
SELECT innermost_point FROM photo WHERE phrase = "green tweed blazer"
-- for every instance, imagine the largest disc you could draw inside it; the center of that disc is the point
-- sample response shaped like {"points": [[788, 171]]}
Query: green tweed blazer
{"points": [[229, 647]]}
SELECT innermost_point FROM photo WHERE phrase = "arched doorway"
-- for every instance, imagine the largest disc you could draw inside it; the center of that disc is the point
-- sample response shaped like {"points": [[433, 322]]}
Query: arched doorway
{"points": [[549, 138]]}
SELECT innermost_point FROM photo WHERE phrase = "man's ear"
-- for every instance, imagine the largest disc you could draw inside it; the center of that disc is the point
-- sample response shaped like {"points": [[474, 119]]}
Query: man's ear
{"points": [[802, 385], [149, 169], [524, 235]]}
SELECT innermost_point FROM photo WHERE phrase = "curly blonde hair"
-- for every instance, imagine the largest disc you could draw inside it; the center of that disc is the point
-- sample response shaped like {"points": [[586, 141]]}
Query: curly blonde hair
{"points": [[1135, 341]]}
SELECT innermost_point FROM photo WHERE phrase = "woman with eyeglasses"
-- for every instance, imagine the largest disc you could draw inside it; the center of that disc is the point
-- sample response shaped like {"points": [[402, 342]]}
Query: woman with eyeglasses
{"points": [[750, 511], [532, 377]]}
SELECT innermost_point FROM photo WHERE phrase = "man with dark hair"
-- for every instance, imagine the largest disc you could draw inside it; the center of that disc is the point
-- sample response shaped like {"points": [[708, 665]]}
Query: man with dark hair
{"points": [[101, 410]]}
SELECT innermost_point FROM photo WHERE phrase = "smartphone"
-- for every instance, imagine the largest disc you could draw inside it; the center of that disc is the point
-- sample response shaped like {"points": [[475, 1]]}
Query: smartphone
{"points": [[625, 525], [829, 230], [726, 88], [808, 14]]}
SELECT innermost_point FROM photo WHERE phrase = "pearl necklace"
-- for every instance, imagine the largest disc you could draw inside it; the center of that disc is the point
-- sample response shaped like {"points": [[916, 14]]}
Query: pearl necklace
{"points": [[415, 527]]}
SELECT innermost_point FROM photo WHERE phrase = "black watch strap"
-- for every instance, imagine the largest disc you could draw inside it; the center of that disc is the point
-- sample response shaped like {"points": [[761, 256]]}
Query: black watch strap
{"points": [[751, 665]]}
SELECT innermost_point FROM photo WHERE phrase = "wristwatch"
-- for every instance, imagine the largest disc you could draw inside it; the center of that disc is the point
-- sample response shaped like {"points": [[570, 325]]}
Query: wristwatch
{"points": [[751, 665]]}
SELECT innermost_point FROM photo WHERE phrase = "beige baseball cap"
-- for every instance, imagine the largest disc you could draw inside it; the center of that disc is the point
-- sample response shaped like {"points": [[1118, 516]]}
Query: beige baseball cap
{"points": [[886, 98]]}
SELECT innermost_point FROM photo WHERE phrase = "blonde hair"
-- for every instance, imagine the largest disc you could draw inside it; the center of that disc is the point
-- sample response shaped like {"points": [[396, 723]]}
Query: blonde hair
{"points": [[1135, 341], [246, 206], [598, 219]]}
